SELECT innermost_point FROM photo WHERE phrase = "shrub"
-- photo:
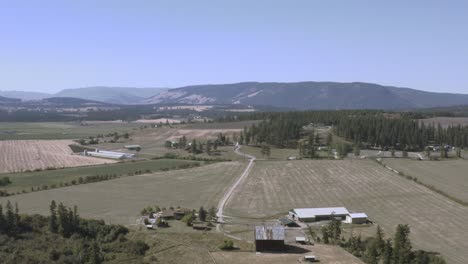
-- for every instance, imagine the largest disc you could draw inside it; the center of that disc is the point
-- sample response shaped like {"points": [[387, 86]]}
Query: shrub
{"points": [[227, 245]]}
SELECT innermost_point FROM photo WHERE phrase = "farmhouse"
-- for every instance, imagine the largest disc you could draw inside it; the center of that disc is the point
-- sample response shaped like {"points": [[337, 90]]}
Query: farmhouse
{"points": [[356, 218], [318, 214], [269, 238]]}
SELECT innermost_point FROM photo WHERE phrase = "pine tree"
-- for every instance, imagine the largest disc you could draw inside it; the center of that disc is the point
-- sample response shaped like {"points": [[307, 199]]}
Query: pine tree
{"points": [[371, 254], [202, 214], [211, 213], [387, 252], [53, 225], [10, 219], [2, 220], [402, 245], [380, 242]]}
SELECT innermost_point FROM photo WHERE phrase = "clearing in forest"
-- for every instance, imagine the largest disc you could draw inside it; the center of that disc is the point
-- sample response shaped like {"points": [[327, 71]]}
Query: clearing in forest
{"points": [[273, 187]]}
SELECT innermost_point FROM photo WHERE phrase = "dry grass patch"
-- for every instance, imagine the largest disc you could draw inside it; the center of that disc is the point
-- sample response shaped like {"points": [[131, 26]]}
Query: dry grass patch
{"points": [[21, 155]]}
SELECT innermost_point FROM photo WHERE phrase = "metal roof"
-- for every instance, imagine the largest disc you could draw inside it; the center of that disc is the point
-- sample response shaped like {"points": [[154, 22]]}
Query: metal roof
{"points": [[358, 215], [313, 212], [269, 233]]}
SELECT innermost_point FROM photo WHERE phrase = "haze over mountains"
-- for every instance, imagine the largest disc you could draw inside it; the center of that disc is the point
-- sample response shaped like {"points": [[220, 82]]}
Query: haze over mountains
{"points": [[114, 95], [299, 95]]}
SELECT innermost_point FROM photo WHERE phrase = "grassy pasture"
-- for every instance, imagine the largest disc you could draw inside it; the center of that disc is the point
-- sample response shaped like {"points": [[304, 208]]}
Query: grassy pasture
{"points": [[450, 176], [119, 201], [60, 130], [26, 180], [273, 187]]}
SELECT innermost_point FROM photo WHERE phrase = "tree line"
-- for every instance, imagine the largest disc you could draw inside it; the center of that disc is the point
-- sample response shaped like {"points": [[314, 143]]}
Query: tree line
{"points": [[375, 128]]}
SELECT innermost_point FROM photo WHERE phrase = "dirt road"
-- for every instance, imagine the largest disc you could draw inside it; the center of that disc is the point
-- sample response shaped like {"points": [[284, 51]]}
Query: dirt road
{"points": [[228, 194]]}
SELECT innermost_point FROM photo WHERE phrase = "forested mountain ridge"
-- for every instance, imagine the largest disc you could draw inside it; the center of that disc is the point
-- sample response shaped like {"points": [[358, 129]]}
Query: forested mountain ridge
{"points": [[310, 95]]}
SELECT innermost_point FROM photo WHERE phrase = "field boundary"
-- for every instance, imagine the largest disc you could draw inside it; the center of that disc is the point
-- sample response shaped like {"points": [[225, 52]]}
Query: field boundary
{"points": [[428, 186]]}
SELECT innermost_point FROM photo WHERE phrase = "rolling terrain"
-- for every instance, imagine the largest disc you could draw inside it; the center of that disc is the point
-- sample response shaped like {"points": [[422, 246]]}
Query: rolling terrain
{"points": [[309, 95]]}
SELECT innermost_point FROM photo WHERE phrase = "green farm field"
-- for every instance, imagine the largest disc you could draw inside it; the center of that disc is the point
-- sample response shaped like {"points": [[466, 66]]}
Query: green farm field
{"points": [[60, 130], [449, 176], [119, 201], [26, 180], [274, 187]]}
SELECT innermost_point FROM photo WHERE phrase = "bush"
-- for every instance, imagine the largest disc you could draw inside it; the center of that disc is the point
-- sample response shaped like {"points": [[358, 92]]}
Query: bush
{"points": [[227, 245], [5, 181]]}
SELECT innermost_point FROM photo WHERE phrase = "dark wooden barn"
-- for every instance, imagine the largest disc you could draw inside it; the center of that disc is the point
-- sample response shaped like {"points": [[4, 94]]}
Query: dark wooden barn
{"points": [[269, 238]]}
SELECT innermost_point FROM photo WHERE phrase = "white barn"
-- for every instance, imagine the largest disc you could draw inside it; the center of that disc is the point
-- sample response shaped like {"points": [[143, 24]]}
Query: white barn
{"points": [[317, 214], [109, 154], [356, 218]]}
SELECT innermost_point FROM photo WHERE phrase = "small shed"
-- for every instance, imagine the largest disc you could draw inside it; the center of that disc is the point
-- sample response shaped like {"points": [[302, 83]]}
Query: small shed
{"points": [[133, 147], [269, 238], [356, 218], [301, 240], [310, 258]]}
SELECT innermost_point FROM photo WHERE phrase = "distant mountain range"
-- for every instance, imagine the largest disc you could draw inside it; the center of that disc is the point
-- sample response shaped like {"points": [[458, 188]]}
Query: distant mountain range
{"points": [[113, 95], [299, 95], [8, 100], [309, 95]]}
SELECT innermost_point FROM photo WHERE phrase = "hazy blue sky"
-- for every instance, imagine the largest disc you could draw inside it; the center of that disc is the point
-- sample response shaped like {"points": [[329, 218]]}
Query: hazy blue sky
{"points": [[51, 45]]}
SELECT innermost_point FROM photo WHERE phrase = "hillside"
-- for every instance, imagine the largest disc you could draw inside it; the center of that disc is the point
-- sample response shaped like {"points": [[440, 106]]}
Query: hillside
{"points": [[24, 95], [114, 95], [9, 100], [310, 95]]}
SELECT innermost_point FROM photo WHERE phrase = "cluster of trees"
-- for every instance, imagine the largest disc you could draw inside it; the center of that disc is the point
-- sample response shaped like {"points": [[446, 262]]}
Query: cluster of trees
{"points": [[378, 249], [4, 181], [197, 147], [203, 214], [372, 127], [66, 238]]}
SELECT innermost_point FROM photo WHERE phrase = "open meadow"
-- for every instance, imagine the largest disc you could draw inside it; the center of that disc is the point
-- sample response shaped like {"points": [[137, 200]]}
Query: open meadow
{"points": [[273, 187], [61, 130], [21, 155], [119, 201], [450, 176]]}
